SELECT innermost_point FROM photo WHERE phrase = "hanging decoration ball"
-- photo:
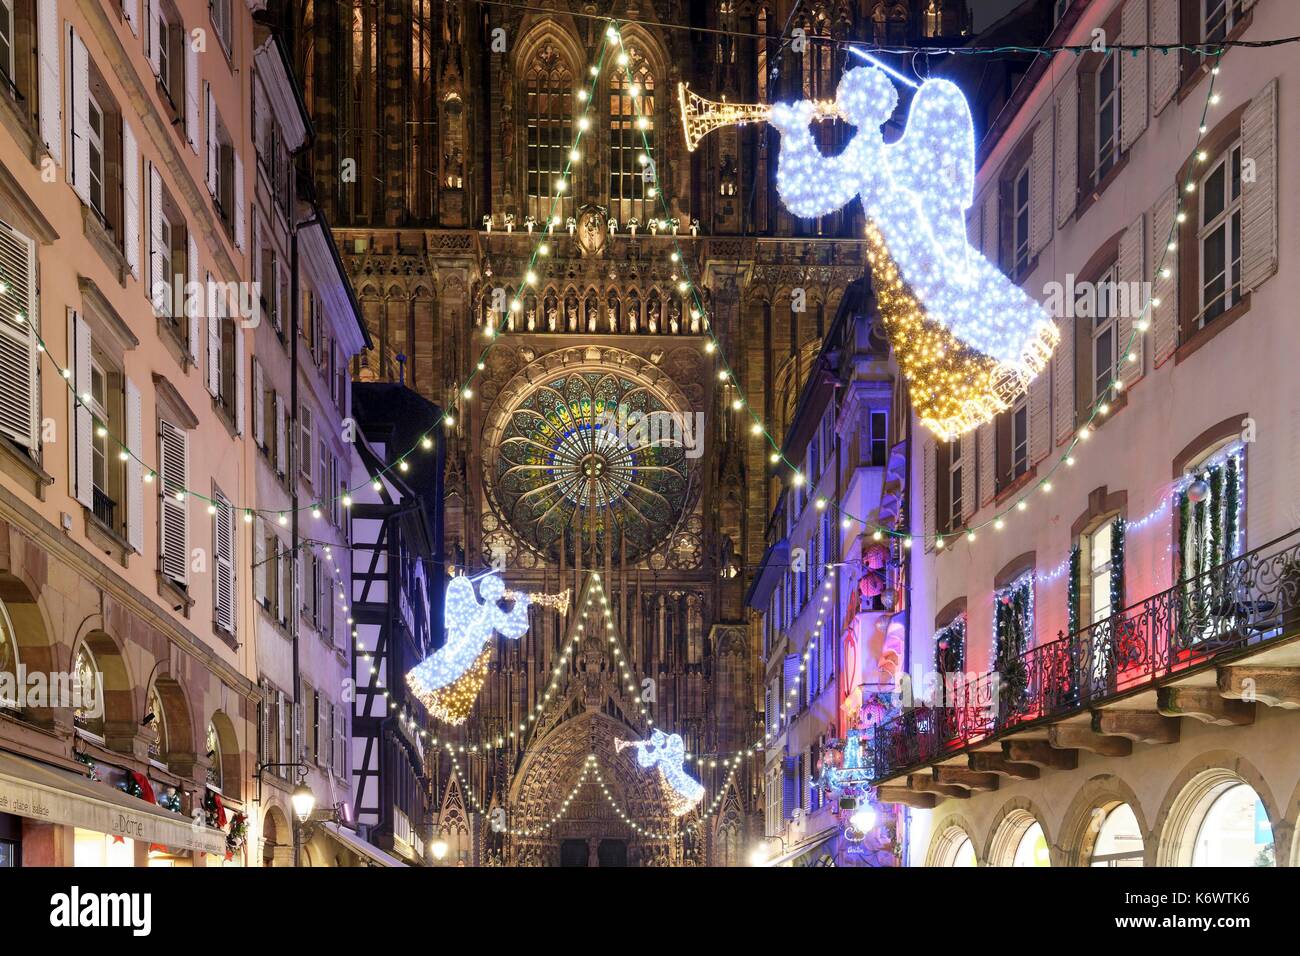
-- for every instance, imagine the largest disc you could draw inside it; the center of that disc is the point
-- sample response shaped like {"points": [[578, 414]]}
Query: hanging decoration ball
{"points": [[1198, 491], [887, 598], [872, 584], [875, 556]]}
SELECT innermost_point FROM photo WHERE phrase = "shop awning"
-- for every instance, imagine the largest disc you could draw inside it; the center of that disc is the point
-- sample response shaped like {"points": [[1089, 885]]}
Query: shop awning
{"points": [[794, 856], [360, 846], [41, 792]]}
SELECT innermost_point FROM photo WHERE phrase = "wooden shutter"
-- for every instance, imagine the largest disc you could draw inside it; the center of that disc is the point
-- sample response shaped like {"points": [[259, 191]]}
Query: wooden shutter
{"points": [[1067, 149], [1130, 274], [191, 94], [1040, 416], [259, 405], [281, 437], [79, 115], [131, 198], [306, 442], [197, 303], [173, 514], [51, 96], [223, 565], [928, 451], [152, 44], [1259, 193], [261, 564], [19, 379], [134, 477], [988, 486], [1063, 382], [1166, 65], [131, 14], [158, 288], [210, 132], [240, 403], [1040, 184], [991, 242], [214, 348], [1164, 290], [238, 193], [1132, 73], [79, 448]]}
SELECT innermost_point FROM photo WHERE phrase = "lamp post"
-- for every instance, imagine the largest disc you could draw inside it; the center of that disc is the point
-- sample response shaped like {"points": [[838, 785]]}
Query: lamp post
{"points": [[761, 853], [439, 850]]}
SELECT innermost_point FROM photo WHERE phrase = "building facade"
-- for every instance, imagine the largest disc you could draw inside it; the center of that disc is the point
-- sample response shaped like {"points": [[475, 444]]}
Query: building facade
{"points": [[124, 149], [1101, 652]]}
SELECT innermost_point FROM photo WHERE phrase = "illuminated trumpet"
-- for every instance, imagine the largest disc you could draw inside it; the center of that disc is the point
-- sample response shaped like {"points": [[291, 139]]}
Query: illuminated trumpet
{"points": [[559, 601], [701, 116]]}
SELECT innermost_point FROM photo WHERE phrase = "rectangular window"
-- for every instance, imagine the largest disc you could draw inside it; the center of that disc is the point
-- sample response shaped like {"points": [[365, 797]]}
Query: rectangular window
{"points": [[949, 467], [96, 137], [107, 468], [1105, 335], [879, 439], [1106, 134], [1219, 17], [1219, 235], [7, 41], [222, 20], [1099, 573], [1020, 219]]}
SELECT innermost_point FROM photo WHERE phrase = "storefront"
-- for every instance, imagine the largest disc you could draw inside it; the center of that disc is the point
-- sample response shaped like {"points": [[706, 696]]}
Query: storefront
{"points": [[55, 817]]}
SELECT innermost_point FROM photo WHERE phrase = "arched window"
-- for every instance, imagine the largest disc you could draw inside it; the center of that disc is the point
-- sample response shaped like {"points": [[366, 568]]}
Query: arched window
{"points": [[89, 718], [631, 117], [213, 749], [1032, 848], [8, 655], [933, 19], [1118, 840], [952, 847], [1235, 830], [548, 83], [155, 722]]}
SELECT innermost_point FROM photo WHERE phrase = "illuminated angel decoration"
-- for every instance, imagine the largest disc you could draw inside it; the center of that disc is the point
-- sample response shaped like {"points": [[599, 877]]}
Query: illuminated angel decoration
{"points": [[667, 753], [968, 339], [448, 681]]}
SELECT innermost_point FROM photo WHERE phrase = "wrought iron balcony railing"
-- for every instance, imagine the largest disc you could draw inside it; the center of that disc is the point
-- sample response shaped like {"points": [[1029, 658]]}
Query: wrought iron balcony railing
{"points": [[1222, 613]]}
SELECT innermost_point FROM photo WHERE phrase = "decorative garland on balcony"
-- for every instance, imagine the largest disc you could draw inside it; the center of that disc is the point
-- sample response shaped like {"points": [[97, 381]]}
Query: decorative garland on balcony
{"points": [[1072, 590], [950, 646], [1117, 566], [1014, 623]]}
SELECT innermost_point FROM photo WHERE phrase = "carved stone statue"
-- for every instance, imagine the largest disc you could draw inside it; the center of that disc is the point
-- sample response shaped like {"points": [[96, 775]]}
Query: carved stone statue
{"points": [[551, 318], [613, 318]]}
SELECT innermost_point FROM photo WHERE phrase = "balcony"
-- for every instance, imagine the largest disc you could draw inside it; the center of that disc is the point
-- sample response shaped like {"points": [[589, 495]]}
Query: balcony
{"points": [[1179, 653]]}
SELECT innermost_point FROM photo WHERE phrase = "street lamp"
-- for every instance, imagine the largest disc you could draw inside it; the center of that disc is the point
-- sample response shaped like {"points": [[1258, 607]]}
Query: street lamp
{"points": [[760, 855], [439, 849], [303, 800]]}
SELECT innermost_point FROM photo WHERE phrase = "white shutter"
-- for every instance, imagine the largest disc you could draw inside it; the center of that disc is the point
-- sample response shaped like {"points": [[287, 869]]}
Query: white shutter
{"points": [[1067, 149], [1164, 290], [1132, 73], [1040, 185], [214, 348], [158, 283], [260, 562], [1063, 383], [134, 478], [173, 514], [988, 464], [151, 36], [259, 405], [131, 198], [80, 448], [240, 402], [1040, 416], [1165, 65], [223, 547], [991, 241], [969, 473], [974, 226], [51, 96], [240, 224], [191, 95], [282, 568], [19, 381], [281, 437], [79, 115], [196, 304], [1259, 194], [209, 131], [131, 14], [1130, 272], [928, 451]]}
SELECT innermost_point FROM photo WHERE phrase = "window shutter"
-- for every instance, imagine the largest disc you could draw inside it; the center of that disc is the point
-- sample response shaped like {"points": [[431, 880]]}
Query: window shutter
{"points": [[260, 562], [1130, 274], [306, 441], [131, 199], [79, 116], [928, 451], [1040, 417], [79, 449], [278, 318], [1063, 383], [974, 226], [191, 95], [195, 306], [240, 403], [1259, 194], [1165, 65], [134, 478], [151, 36], [173, 515], [131, 14], [991, 239], [987, 440], [1067, 149], [240, 224], [223, 536], [281, 437], [259, 406], [341, 741], [209, 131], [158, 293], [282, 568], [1040, 185], [214, 349], [1164, 316], [51, 96], [19, 381], [789, 788], [1132, 73]]}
